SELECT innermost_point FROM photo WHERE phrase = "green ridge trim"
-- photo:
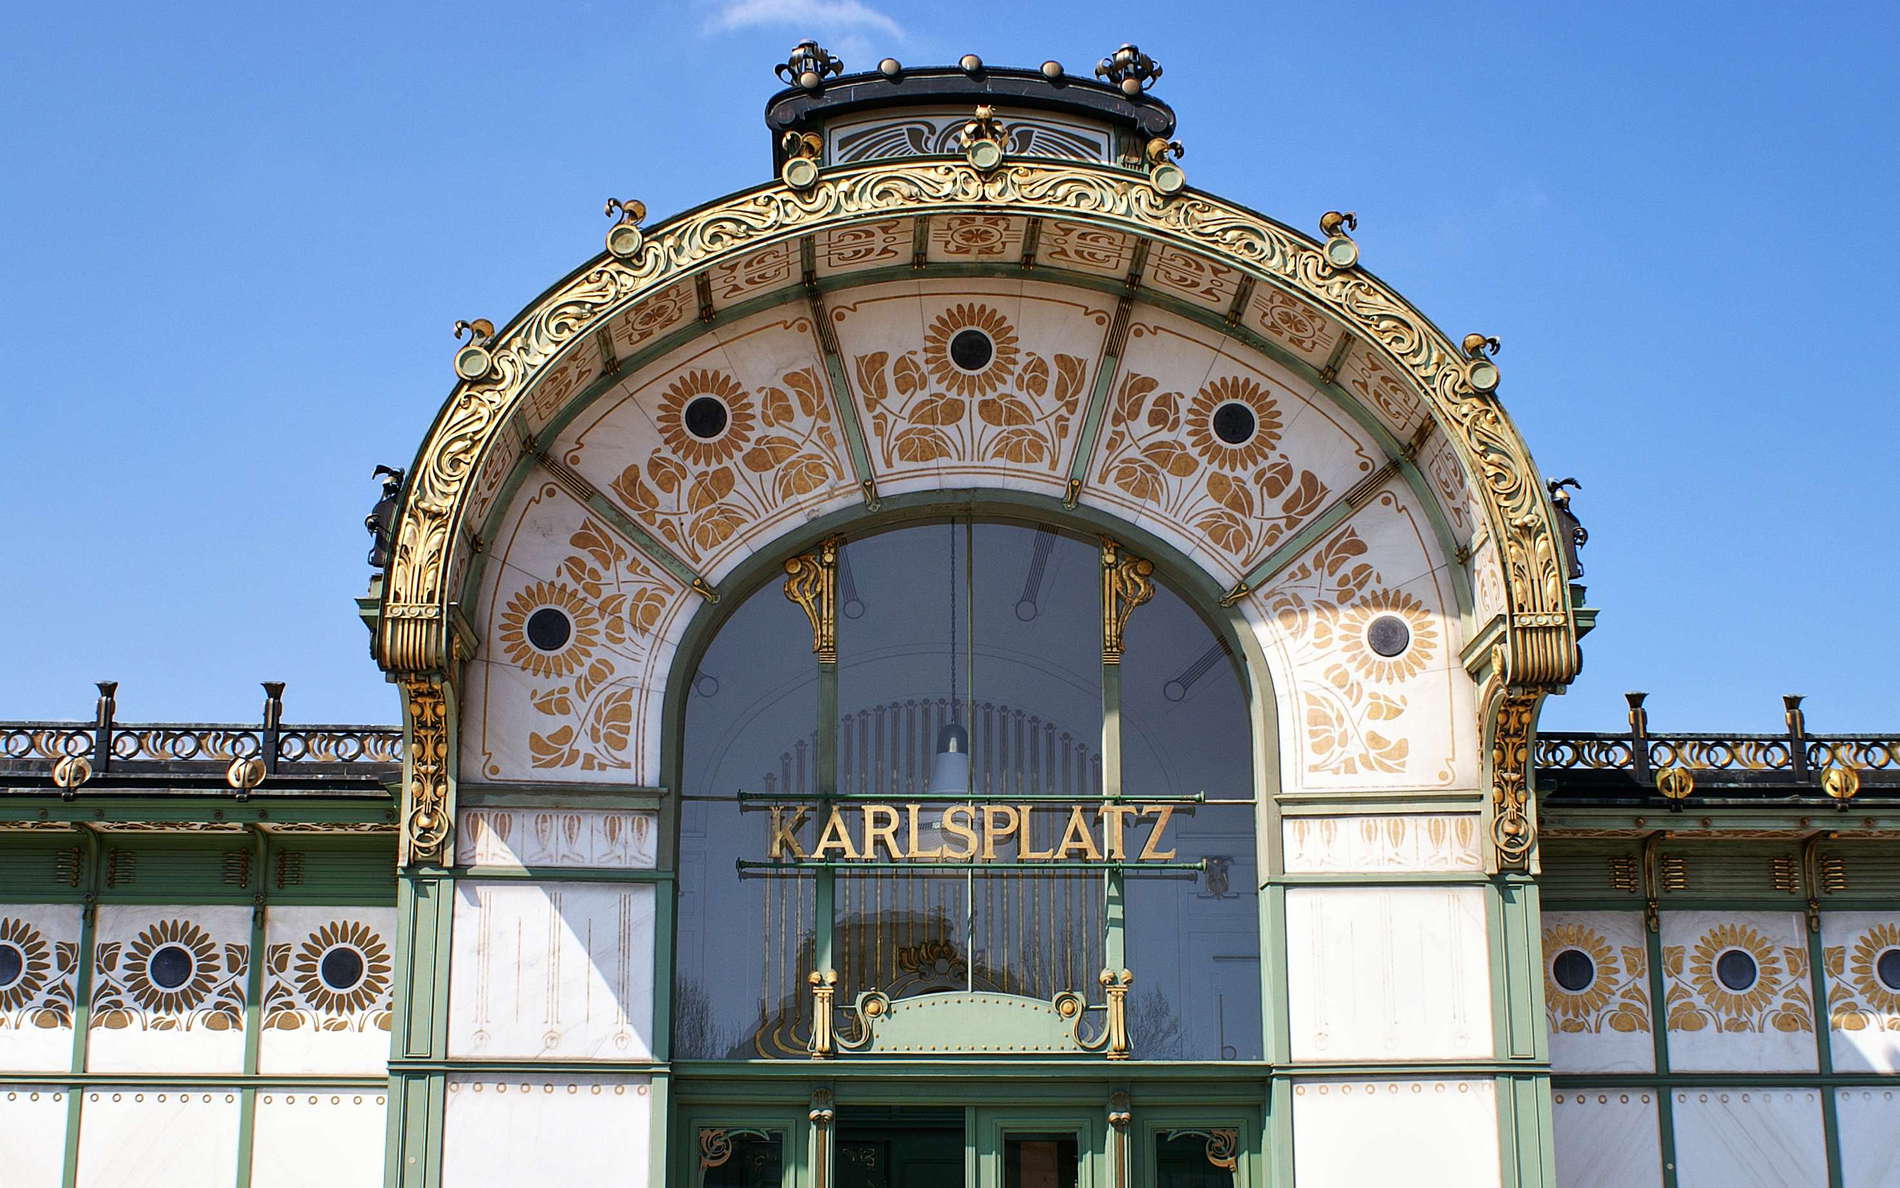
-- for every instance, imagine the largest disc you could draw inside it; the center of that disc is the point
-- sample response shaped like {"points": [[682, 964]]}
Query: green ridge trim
{"points": [[564, 874], [135, 1080]]}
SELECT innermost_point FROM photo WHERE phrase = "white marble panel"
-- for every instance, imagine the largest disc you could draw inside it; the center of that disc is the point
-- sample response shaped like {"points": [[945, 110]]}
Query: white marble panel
{"points": [[614, 839], [157, 1138], [1749, 1138], [1423, 1134], [1863, 1008], [1762, 1025], [141, 1021], [36, 1004], [318, 1140], [1388, 973], [1605, 1024], [552, 971], [1410, 841], [1605, 1137], [546, 1130], [317, 1017], [1870, 1137], [32, 1135]]}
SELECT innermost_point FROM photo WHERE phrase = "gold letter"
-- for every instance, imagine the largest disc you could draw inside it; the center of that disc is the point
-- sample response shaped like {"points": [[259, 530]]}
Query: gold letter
{"points": [[834, 836], [915, 852], [785, 836], [1115, 815], [1029, 849], [1162, 813], [952, 829], [886, 833], [993, 816], [1078, 838]]}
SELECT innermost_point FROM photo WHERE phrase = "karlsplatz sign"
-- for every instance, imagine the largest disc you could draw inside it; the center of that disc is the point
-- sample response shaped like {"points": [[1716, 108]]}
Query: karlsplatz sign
{"points": [[1079, 832]]}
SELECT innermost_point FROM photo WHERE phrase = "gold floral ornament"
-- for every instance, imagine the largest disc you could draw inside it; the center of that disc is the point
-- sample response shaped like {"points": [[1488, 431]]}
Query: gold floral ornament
{"points": [[686, 441], [32, 958], [323, 964], [942, 351], [1856, 972], [1700, 998], [152, 969], [1216, 447], [1613, 998], [573, 654], [1354, 628]]}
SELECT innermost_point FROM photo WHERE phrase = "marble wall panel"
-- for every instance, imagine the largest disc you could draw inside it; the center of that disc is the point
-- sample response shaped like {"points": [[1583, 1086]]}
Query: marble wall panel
{"points": [[1358, 844], [1749, 1138], [1597, 1004], [1861, 954], [169, 988], [318, 1139], [39, 948], [1436, 1133], [1606, 1136], [1721, 1021], [1388, 973], [1869, 1122], [546, 1130], [561, 971], [157, 1138], [587, 709], [611, 839], [328, 976], [33, 1135]]}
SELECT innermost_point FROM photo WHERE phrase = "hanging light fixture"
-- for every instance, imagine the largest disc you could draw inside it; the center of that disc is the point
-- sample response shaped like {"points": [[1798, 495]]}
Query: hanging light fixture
{"points": [[950, 769]]}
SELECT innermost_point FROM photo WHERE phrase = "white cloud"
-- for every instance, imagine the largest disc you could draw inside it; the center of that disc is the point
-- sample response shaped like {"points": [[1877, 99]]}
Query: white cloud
{"points": [[810, 15]]}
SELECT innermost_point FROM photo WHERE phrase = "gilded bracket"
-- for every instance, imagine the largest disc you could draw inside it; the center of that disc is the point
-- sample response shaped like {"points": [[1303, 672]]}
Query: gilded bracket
{"points": [[1513, 722], [811, 581], [1113, 1041], [428, 804], [824, 992], [1127, 582]]}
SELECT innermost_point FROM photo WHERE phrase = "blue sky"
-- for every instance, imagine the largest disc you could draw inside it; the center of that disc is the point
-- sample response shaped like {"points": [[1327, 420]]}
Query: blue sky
{"points": [[235, 238]]}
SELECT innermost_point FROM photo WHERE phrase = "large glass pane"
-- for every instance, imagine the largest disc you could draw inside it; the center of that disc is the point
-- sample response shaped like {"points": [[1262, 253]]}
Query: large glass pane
{"points": [[1040, 1161], [1195, 1159], [1194, 942], [741, 1158]]}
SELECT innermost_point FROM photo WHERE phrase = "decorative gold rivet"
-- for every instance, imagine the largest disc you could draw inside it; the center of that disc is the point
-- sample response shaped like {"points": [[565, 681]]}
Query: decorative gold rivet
{"points": [[245, 773], [1675, 783], [1841, 783], [71, 771]]}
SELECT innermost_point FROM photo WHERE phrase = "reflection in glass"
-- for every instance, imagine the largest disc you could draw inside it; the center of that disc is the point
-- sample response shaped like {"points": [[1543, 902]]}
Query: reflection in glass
{"points": [[1194, 1159], [1040, 1161], [741, 1158]]}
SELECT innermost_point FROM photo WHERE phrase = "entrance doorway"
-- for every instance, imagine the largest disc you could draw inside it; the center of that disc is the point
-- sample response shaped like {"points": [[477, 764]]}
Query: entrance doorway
{"points": [[900, 1148]]}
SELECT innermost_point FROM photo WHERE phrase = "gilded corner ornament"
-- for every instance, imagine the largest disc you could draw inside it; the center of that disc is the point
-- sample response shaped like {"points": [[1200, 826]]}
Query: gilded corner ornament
{"points": [[811, 581], [1127, 582], [426, 806]]}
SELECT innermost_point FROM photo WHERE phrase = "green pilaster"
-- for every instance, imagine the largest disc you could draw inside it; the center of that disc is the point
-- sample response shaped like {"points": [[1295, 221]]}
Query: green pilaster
{"points": [[253, 1005], [424, 911], [92, 879], [1659, 1030], [1824, 1050]]}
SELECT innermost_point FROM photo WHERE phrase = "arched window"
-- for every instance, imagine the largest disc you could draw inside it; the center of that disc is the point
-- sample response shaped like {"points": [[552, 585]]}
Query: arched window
{"points": [[968, 849]]}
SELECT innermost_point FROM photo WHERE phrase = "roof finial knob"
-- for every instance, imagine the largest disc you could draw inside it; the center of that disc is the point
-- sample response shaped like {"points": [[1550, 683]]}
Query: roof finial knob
{"points": [[1129, 69], [808, 65]]}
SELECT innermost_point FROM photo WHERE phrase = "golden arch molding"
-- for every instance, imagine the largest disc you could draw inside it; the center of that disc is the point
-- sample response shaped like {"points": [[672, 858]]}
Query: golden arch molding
{"points": [[1529, 647]]}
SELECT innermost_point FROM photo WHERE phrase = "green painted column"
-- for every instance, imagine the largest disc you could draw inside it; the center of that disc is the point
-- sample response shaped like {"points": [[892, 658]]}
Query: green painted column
{"points": [[94, 867], [419, 1030], [1520, 1032], [253, 1005]]}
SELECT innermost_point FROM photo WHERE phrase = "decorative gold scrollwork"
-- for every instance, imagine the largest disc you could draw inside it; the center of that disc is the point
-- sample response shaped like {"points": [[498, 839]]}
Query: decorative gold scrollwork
{"points": [[1127, 582], [426, 809], [1513, 829], [824, 1036], [1113, 1041], [811, 581], [1223, 1144], [715, 1147]]}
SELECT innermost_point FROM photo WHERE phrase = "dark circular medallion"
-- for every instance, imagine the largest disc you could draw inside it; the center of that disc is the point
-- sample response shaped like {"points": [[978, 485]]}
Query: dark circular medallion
{"points": [[1736, 970], [170, 967], [971, 349], [549, 629], [1388, 635], [341, 968], [1573, 970], [705, 417], [1887, 969], [1234, 423], [12, 964]]}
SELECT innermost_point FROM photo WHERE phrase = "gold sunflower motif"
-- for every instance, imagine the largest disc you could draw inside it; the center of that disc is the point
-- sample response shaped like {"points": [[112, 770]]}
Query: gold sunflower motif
{"points": [[1356, 636], [31, 954], [1736, 1005], [582, 620], [1864, 967], [352, 950], [721, 446], [1584, 1003], [996, 372], [1226, 455], [161, 991]]}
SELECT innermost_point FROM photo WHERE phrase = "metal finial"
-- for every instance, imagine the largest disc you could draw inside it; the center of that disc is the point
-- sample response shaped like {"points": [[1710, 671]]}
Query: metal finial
{"points": [[808, 65], [1129, 69]]}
